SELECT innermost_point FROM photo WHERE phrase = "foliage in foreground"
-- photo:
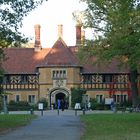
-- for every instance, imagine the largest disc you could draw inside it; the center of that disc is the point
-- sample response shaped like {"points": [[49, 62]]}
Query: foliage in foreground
{"points": [[117, 28], [111, 126]]}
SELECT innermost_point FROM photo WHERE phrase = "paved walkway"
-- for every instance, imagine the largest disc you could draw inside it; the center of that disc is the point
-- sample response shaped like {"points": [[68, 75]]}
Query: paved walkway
{"points": [[50, 126]]}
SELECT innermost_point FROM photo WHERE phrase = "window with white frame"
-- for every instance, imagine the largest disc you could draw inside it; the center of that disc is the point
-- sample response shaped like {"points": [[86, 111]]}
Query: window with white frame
{"points": [[31, 98], [99, 98], [59, 73], [120, 98], [17, 98]]}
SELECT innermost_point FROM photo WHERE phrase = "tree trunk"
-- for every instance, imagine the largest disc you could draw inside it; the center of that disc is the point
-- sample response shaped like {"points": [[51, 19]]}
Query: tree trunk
{"points": [[5, 110], [134, 87]]}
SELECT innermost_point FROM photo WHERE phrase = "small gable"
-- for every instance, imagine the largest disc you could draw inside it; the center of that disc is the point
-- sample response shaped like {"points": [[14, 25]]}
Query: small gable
{"points": [[60, 54]]}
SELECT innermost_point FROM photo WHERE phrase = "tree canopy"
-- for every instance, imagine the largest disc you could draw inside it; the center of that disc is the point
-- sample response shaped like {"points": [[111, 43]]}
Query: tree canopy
{"points": [[12, 13], [117, 27], [117, 24]]}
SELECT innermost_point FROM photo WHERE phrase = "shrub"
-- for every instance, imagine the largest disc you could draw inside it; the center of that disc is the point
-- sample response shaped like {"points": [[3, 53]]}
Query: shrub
{"points": [[97, 106], [21, 105], [76, 96]]}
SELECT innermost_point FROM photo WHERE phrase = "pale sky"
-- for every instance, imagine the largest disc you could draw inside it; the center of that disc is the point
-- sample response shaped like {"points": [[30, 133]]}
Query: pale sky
{"points": [[49, 15]]}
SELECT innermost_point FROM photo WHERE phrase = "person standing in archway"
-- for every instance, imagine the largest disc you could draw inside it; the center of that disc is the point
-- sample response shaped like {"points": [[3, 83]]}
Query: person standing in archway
{"points": [[58, 103], [62, 104]]}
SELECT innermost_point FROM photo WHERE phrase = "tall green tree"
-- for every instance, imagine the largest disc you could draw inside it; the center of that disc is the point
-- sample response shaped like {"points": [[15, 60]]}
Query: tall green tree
{"points": [[117, 27], [12, 13], [2, 93]]}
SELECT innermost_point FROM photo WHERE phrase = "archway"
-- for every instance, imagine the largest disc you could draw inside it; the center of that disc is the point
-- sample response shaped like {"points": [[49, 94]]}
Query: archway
{"points": [[59, 93], [60, 96]]}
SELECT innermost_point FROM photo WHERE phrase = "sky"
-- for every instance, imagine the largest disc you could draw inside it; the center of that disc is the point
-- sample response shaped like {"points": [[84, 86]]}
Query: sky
{"points": [[49, 15]]}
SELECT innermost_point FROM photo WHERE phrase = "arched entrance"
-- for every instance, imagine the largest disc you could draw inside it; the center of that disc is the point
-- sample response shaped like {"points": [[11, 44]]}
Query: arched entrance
{"points": [[61, 94]]}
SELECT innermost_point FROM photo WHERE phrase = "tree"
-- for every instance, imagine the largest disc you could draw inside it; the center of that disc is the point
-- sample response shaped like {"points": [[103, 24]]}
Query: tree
{"points": [[2, 93], [117, 26], [76, 96], [12, 13]]}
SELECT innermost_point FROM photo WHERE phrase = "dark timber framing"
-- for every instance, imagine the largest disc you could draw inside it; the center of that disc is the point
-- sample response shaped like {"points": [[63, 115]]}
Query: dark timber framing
{"points": [[92, 81], [89, 81], [20, 82]]}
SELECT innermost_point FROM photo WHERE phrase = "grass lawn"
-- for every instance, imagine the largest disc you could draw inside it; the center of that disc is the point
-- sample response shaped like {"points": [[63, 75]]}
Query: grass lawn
{"points": [[111, 126], [11, 121]]}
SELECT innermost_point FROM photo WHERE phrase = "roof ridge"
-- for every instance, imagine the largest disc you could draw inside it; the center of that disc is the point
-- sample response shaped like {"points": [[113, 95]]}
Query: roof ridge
{"points": [[61, 40]]}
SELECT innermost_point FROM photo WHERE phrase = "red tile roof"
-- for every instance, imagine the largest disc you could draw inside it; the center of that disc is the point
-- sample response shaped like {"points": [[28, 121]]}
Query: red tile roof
{"points": [[60, 55], [104, 68], [26, 60], [23, 60]]}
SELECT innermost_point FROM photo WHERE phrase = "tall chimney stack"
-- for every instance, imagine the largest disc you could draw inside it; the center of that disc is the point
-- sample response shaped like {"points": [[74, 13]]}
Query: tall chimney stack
{"points": [[60, 31], [37, 37], [78, 34]]}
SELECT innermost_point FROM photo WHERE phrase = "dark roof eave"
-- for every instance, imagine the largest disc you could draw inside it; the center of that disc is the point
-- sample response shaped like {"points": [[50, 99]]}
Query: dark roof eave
{"points": [[49, 66], [21, 73], [104, 73]]}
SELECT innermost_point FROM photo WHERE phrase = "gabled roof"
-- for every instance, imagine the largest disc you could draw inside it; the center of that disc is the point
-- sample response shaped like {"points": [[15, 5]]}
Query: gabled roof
{"points": [[23, 60], [60, 55], [26, 60]]}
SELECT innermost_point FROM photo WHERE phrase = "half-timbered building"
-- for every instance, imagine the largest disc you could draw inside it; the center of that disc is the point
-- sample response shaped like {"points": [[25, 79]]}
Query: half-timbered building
{"points": [[35, 73]]}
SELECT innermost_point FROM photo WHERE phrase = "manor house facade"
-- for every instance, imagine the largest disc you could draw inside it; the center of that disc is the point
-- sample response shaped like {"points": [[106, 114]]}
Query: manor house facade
{"points": [[35, 73]]}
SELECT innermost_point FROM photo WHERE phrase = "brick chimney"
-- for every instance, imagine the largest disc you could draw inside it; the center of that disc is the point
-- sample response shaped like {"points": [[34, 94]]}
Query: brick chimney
{"points": [[78, 34], [37, 37], [60, 31]]}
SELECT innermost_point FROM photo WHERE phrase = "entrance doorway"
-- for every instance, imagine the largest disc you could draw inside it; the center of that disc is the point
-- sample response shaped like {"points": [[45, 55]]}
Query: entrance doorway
{"points": [[60, 96], [63, 99]]}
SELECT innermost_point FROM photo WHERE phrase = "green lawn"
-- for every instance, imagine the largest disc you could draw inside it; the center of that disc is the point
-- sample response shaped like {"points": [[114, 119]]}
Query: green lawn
{"points": [[8, 122], [111, 126]]}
